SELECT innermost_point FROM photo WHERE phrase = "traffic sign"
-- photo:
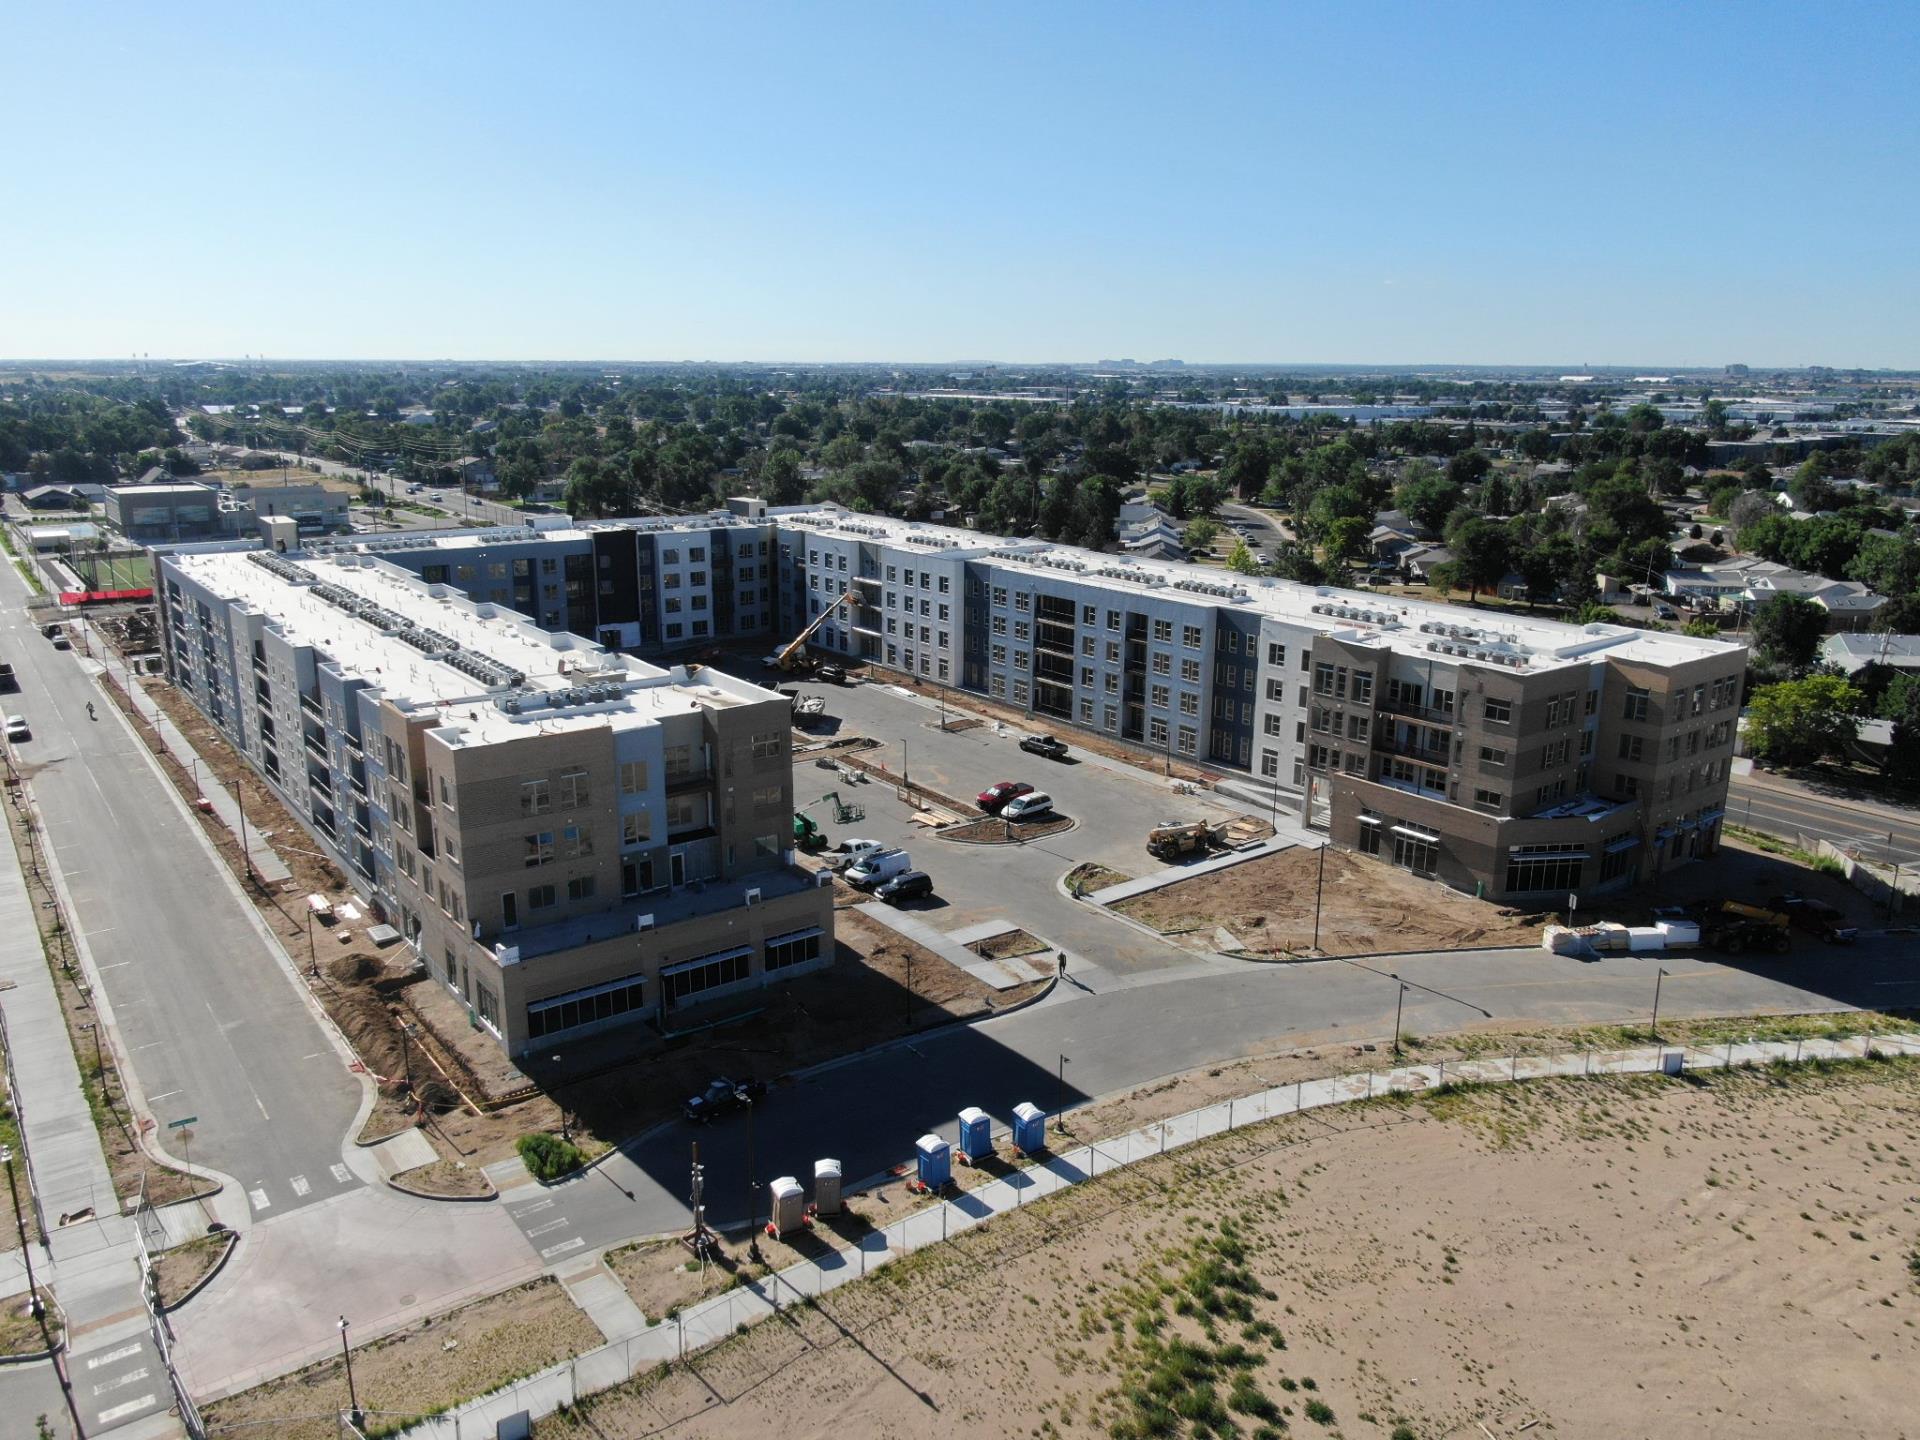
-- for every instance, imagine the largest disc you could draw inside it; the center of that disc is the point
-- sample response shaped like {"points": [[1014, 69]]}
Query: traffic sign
{"points": [[177, 1124]]}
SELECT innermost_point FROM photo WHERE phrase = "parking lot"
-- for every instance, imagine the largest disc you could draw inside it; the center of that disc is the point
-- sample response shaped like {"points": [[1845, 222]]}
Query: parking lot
{"points": [[1112, 807]]}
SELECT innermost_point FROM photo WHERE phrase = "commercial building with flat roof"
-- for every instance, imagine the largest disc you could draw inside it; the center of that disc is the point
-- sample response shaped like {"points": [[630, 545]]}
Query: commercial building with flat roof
{"points": [[1519, 757], [568, 837]]}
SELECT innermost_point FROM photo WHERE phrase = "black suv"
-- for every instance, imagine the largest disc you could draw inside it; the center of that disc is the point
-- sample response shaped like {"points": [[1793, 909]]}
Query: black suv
{"points": [[912, 885], [722, 1097], [1816, 917]]}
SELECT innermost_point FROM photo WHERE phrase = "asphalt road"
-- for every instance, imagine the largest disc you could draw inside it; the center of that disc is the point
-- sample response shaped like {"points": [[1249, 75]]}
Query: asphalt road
{"points": [[211, 1025], [1787, 809], [867, 1112]]}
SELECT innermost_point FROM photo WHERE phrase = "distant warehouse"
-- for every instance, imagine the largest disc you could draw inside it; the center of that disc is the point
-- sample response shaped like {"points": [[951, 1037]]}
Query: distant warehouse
{"points": [[567, 837]]}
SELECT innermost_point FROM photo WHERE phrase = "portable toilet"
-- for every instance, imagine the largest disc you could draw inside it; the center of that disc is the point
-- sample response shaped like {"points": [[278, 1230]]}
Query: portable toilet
{"points": [[1029, 1128], [826, 1187], [976, 1134], [789, 1206], [935, 1161]]}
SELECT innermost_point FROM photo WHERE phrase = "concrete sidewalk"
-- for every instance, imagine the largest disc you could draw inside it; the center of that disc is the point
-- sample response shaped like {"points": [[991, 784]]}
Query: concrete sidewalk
{"points": [[266, 864]]}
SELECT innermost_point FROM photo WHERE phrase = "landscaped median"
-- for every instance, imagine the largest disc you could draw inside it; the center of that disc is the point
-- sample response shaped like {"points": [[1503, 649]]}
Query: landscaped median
{"points": [[1038, 1204]]}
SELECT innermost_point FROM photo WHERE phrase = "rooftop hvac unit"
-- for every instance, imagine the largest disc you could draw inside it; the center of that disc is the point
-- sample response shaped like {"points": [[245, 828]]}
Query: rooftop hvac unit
{"points": [[753, 896]]}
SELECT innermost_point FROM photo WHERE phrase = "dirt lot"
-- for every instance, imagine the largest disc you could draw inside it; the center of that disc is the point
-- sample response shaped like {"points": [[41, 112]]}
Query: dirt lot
{"points": [[995, 831], [178, 1270], [1007, 946], [1367, 908], [1598, 1257], [436, 1363], [20, 1332]]}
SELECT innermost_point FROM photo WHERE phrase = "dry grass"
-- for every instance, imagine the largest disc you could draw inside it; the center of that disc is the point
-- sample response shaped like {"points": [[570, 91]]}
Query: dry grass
{"points": [[1482, 1261], [1008, 946], [178, 1270], [20, 1332], [1366, 907], [453, 1178], [436, 1364]]}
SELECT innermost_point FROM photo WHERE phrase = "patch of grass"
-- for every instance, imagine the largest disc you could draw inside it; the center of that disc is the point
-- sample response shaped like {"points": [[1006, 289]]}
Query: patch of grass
{"points": [[1829, 865], [1087, 878], [1768, 844], [1319, 1412]]}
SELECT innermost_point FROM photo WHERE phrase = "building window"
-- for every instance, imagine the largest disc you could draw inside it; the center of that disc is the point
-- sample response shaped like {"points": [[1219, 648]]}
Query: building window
{"points": [[580, 888], [540, 897], [796, 949], [1190, 671], [1417, 852], [579, 840], [1189, 703], [536, 797], [1276, 654], [633, 777], [1019, 692], [1163, 631], [1492, 755], [636, 828], [768, 744], [1160, 694], [1273, 725], [1162, 663], [1544, 867], [1638, 703], [573, 788], [1157, 730], [585, 1006], [1630, 747], [1189, 740], [704, 974], [539, 849], [1487, 799], [1191, 636], [1499, 712], [1270, 764], [1323, 678], [1368, 842]]}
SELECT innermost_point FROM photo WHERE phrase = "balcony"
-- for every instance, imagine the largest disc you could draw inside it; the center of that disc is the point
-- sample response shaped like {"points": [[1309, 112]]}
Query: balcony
{"points": [[312, 706], [1411, 711], [316, 744], [1387, 743]]}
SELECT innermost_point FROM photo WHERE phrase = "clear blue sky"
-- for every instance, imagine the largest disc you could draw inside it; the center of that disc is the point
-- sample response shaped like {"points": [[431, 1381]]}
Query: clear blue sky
{"points": [[1525, 183]]}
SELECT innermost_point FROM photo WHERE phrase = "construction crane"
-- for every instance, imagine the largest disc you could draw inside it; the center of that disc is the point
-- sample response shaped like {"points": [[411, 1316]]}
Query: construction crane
{"points": [[788, 656]]}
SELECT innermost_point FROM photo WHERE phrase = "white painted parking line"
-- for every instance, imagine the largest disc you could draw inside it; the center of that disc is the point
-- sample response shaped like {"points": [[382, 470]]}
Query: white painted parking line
{"points": [[342, 1174], [132, 1377], [258, 1196], [524, 1210], [576, 1243], [120, 1412], [549, 1227], [168, 1096], [300, 1185], [94, 1362]]}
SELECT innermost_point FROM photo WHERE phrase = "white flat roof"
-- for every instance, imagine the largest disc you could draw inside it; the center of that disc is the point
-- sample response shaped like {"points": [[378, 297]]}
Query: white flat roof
{"points": [[548, 681]]}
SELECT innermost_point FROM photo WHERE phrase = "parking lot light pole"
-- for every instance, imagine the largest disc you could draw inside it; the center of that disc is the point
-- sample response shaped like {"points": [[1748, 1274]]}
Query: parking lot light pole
{"points": [[1654, 1028], [1399, 1004], [1319, 884], [1060, 1100], [753, 1205]]}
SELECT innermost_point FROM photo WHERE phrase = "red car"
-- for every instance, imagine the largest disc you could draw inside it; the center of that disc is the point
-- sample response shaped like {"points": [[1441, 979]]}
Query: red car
{"points": [[997, 795]]}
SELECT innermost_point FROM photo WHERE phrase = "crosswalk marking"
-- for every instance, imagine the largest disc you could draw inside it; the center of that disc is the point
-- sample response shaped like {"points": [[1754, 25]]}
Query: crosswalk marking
{"points": [[548, 1228], [258, 1195], [132, 1377], [95, 1361], [342, 1174], [565, 1245], [300, 1185], [120, 1412]]}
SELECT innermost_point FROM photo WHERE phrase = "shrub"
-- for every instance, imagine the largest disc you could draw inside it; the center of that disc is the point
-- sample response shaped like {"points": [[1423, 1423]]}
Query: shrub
{"points": [[1320, 1412], [548, 1157]]}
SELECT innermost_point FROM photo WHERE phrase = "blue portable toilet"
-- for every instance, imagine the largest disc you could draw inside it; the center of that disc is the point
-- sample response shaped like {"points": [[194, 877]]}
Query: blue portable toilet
{"points": [[976, 1134], [1029, 1128], [936, 1162]]}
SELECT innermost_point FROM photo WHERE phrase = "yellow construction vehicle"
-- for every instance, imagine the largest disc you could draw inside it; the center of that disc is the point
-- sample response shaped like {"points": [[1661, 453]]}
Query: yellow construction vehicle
{"points": [[793, 654], [1176, 842], [1734, 926]]}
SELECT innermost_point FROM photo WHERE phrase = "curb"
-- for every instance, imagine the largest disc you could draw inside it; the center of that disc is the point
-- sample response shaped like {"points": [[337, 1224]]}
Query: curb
{"points": [[233, 1244], [1068, 828], [493, 1192]]}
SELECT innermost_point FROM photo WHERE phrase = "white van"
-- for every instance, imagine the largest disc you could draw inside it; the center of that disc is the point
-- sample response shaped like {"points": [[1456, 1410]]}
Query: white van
{"points": [[1021, 807], [872, 870]]}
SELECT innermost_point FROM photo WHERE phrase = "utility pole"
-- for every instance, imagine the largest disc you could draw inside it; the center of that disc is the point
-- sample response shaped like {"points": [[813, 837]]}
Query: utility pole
{"points": [[1399, 1004], [753, 1206], [1319, 884], [1654, 1028], [240, 801], [1060, 1101]]}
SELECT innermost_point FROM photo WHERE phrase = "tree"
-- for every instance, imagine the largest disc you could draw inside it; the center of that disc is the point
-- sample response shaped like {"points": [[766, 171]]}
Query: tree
{"points": [[1701, 628], [1481, 555], [1901, 704], [1797, 722], [1428, 500], [780, 479], [1200, 533], [1899, 616], [1346, 540], [1241, 558], [1494, 498], [1468, 467], [595, 488], [1787, 631], [1886, 564], [1751, 507]]}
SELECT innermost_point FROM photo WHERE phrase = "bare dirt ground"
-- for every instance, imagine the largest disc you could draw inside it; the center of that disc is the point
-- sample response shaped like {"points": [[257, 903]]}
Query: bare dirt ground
{"points": [[23, 1334], [995, 831], [177, 1271], [1583, 1257], [1002, 947], [1367, 908], [436, 1363]]}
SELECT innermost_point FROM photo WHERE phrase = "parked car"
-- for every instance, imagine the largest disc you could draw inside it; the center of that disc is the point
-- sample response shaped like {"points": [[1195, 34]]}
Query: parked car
{"points": [[1816, 917], [851, 852], [999, 793], [8, 680], [830, 675], [907, 885], [876, 870], [1045, 745], [18, 729], [61, 641], [1665, 612], [721, 1097], [1026, 807]]}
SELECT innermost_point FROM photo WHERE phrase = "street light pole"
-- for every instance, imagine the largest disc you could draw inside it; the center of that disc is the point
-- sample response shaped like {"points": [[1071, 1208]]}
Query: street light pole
{"points": [[1654, 1028], [240, 802], [1060, 1099], [353, 1398], [753, 1207], [1398, 1005], [34, 1307]]}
